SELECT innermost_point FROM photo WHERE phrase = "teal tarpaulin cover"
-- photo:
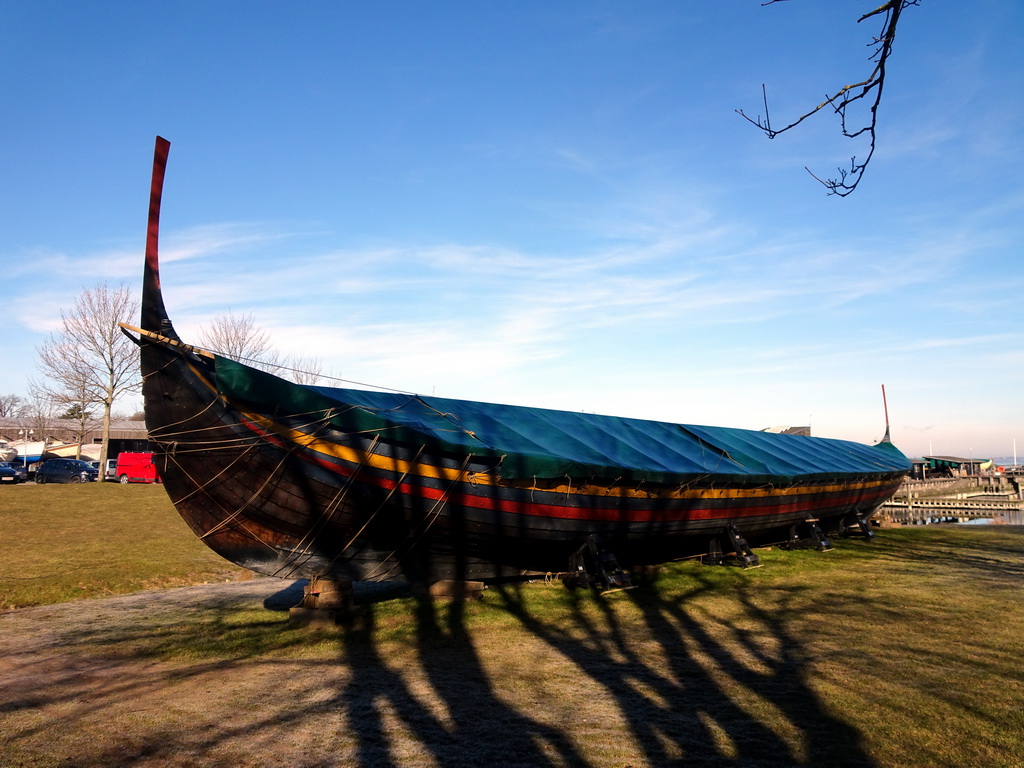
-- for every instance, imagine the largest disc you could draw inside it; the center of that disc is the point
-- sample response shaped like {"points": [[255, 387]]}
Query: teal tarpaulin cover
{"points": [[542, 443]]}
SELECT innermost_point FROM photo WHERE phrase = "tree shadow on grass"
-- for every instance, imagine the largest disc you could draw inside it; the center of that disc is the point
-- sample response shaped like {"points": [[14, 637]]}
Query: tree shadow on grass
{"points": [[679, 684], [713, 691], [467, 724]]}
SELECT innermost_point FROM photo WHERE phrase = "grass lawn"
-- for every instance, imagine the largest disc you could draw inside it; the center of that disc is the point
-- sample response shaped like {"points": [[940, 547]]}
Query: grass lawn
{"points": [[905, 651], [65, 542]]}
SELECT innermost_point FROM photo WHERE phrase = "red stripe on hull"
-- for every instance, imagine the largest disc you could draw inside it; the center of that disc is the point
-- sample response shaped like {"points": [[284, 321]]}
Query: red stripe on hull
{"points": [[577, 513], [605, 514]]}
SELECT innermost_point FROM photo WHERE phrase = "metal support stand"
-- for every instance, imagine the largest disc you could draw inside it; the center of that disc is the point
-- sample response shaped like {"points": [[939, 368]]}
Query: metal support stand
{"points": [[592, 565], [857, 521], [736, 549], [812, 536]]}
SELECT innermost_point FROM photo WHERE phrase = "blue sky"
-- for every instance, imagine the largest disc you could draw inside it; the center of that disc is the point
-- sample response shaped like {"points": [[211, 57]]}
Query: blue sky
{"points": [[550, 204]]}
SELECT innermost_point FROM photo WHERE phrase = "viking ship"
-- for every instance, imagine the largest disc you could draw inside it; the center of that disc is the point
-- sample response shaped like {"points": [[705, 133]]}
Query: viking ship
{"points": [[318, 482]]}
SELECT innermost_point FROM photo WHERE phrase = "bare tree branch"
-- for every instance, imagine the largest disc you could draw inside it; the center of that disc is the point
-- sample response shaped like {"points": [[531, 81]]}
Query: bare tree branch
{"points": [[12, 405], [868, 91], [90, 361], [41, 417], [305, 369], [239, 338]]}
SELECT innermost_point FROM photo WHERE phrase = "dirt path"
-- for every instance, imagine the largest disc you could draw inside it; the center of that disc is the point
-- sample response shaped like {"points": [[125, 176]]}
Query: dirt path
{"points": [[74, 691], [30, 629]]}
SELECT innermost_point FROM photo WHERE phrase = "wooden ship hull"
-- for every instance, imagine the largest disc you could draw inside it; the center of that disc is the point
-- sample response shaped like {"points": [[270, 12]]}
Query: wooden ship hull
{"points": [[336, 484]]}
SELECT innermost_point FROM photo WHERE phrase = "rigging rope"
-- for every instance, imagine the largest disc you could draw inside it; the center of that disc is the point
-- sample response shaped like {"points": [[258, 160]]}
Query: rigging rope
{"points": [[329, 511], [429, 518]]}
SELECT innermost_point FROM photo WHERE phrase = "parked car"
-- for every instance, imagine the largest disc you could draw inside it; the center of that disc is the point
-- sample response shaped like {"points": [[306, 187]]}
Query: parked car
{"points": [[8, 474], [111, 471], [137, 468], [65, 471]]}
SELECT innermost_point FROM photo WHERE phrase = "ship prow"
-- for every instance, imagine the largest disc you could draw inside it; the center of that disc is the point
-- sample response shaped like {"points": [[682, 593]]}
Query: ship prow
{"points": [[154, 314]]}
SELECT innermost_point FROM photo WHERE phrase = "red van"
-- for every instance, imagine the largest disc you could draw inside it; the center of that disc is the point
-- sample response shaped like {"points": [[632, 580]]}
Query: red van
{"points": [[136, 468]]}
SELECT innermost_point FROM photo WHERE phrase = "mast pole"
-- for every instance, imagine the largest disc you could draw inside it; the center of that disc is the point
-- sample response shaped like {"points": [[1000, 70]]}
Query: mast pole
{"points": [[885, 405]]}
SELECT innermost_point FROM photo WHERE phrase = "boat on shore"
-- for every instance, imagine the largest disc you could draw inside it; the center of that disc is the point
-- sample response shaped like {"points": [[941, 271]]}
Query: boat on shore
{"points": [[329, 483]]}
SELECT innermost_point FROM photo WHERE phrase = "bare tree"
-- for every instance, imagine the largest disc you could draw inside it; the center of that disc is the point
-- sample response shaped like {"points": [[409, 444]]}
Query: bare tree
{"points": [[90, 361], [866, 93], [39, 418], [305, 369], [239, 338], [12, 405]]}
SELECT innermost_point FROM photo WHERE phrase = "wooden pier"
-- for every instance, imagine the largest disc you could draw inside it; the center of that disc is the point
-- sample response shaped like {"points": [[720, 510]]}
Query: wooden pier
{"points": [[921, 502], [951, 510]]}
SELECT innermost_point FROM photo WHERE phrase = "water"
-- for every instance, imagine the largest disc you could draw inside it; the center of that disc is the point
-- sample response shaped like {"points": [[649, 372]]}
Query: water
{"points": [[1010, 518], [1006, 461]]}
